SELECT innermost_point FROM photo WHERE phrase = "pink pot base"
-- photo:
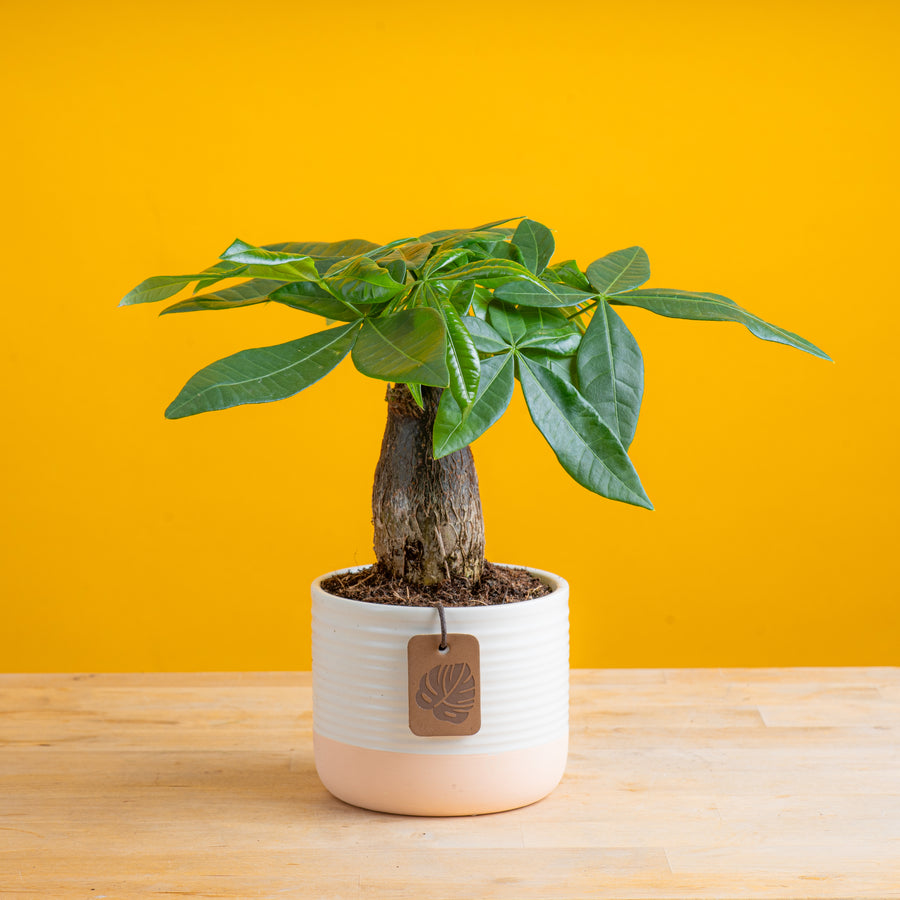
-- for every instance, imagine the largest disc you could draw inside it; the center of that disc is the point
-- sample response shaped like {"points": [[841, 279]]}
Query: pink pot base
{"points": [[439, 784]]}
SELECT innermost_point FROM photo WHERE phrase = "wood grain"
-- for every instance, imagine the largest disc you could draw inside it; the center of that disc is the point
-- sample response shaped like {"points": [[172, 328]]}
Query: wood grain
{"points": [[681, 784]]}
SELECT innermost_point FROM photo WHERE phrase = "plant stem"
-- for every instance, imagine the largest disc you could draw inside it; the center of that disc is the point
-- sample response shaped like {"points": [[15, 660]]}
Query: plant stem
{"points": [[426, 511]]}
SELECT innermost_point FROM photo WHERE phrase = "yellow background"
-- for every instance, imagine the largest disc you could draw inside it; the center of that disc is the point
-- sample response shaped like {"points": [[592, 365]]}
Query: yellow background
{"points": [[750, 148]]}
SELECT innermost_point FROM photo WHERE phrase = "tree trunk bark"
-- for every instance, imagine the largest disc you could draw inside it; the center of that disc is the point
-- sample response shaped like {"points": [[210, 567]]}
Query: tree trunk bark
{"points": [[426, 511]]}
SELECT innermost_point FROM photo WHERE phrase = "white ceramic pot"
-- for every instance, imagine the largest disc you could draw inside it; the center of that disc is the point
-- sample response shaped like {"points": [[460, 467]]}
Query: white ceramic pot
{"points": [[366, 753]]}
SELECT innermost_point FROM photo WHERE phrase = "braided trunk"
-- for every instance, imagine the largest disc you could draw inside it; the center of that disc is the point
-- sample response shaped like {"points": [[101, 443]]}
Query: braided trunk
{"points": [[426, 511]]}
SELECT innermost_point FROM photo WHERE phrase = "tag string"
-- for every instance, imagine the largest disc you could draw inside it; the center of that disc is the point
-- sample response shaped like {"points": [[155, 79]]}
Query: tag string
{"points": [[440, 609]]}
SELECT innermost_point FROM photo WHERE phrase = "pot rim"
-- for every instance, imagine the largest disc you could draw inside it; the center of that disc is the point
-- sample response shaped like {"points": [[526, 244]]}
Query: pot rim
{"points": [[556, 583]]}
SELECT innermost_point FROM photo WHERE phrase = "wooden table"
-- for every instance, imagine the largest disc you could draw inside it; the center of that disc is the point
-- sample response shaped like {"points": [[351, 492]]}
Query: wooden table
{"points": [[706, 783]]}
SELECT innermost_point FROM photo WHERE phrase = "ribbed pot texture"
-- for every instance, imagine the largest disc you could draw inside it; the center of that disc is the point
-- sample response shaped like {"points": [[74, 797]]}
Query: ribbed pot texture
{"points": [[366, 753]]}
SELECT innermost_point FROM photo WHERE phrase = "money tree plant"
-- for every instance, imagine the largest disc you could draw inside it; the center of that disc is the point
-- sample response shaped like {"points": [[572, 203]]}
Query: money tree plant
{"points": [[451, 320]]}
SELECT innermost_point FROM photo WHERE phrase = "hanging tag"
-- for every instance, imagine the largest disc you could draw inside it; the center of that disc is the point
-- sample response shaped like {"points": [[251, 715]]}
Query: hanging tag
{"points": [[444, 685]]}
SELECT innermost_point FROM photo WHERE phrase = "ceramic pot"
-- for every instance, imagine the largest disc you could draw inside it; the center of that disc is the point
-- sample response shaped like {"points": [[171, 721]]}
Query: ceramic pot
{"points": [[366, 753]]}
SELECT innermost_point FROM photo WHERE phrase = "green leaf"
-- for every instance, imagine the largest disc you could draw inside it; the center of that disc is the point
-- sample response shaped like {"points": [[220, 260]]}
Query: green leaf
{"points": [[435, 236], [248, 293], [414, 255], [386, 250], [583, 443], [563, 366], [516, 325], [619, 271], [362, 281], [485, 338], [159, 287], [396, 268], [290, 264], [453, 430], [444, 259], [416, 391], [491, 270], [218, 272], [407, 346], [572, 296], [535, 243], [482, 245], [543, 319], [263, 374], [528, 293], [492, 249], [309, 297], [713, 307], [461, 295], [567, 272], [507, 321], [324, 263], [481, 300], [462, 357], [342, 249], [562, 341], [611, 372]]}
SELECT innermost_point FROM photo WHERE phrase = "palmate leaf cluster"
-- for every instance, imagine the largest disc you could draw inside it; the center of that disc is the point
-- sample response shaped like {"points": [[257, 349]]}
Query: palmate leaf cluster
{"points": [[471, 311]]}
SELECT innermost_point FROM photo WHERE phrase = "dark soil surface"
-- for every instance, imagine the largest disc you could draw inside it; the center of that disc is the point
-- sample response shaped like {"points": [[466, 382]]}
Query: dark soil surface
{"points": [[499, 584]]}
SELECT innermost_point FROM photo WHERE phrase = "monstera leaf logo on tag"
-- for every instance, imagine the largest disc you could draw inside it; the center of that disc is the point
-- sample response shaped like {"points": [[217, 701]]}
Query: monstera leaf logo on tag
{"points": [[448, 691], [444, 685]]}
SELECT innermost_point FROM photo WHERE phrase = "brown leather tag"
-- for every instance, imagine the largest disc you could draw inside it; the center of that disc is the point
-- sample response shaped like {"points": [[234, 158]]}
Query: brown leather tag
{"points": [[444, 686]]}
